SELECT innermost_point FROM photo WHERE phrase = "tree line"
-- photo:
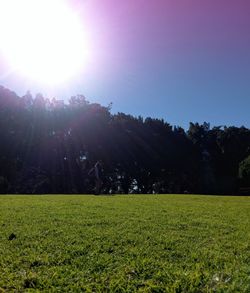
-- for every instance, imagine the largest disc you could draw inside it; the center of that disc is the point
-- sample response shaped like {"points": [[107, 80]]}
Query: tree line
{"points": [[48, 146]]}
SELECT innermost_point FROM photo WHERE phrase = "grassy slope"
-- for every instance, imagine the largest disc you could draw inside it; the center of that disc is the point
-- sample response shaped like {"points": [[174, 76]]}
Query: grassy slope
{"points": [[157, 243]]}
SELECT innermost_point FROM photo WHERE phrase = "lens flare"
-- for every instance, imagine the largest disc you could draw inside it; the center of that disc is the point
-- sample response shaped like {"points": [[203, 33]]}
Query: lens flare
{"points": [[44, 40]]}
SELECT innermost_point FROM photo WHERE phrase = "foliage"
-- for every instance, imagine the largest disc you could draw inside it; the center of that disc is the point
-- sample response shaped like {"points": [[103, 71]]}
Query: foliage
{"points": [[244, 171], [3, 185], [156, 243], [48, 146]]}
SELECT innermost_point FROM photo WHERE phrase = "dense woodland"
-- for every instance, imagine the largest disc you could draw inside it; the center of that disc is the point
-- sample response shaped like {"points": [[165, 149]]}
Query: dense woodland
{"points": [[47, 146]]}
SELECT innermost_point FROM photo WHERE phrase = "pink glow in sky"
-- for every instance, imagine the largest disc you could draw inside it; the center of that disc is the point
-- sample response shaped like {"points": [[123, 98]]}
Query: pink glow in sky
{"points": [[166, 58]]}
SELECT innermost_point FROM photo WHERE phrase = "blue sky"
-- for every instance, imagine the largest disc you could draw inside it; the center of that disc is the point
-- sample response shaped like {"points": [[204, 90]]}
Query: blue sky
{"points": [[178, 60]]}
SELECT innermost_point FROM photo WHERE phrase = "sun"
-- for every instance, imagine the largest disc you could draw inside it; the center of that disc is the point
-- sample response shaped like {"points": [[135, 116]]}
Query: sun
{"points": [[44, 40]]}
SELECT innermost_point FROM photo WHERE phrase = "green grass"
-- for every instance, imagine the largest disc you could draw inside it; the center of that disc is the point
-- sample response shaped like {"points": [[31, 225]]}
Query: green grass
{"points": [[139, 243]]}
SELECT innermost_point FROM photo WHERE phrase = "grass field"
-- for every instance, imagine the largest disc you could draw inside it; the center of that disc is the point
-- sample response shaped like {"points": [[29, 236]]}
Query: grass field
{"points": [[139, 243]]}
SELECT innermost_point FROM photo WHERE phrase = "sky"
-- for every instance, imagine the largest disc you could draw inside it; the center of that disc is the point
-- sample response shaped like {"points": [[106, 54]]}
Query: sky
{"points": [[180, 60]]}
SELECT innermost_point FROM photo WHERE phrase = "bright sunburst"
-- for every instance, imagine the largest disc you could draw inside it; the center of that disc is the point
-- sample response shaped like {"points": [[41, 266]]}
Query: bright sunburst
{"points": [[42, 39]]}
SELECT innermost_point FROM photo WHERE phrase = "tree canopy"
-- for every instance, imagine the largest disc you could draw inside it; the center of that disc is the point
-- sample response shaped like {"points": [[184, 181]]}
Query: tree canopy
{"points": [[48, 146]]}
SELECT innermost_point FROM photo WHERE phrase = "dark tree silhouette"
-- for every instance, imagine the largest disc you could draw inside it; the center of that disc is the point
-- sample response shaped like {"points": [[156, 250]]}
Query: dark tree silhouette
{"points": [[49, 147]]}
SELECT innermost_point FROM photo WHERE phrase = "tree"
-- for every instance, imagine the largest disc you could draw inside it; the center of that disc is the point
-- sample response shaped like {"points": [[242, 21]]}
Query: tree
{"points": [[244, 172], [48, 146]]}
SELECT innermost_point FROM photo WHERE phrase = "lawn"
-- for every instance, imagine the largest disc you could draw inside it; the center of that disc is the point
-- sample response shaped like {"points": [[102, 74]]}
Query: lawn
{"points": [[135, 243]]}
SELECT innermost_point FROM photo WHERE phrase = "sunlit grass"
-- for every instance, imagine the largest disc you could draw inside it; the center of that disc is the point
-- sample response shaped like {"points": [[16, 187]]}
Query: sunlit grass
{"points": [[142, 243]]}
